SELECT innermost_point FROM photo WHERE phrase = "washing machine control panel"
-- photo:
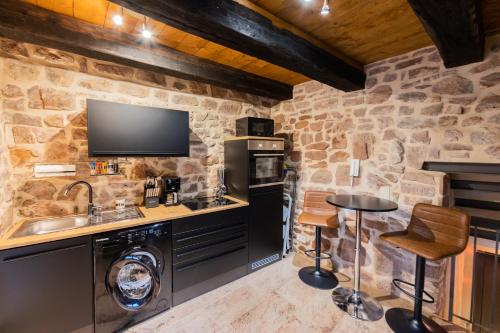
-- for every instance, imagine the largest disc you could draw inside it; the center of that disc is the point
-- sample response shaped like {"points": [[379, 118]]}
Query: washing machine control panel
{"points": [[136, 235]]}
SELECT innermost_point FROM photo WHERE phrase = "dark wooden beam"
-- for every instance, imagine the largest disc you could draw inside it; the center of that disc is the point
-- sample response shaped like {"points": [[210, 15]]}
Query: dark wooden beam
{"points": [[28, 23], [233, 25], [456, 28]]}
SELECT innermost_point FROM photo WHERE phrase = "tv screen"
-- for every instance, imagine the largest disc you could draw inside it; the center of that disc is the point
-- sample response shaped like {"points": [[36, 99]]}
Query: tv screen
{"points": [[116, 129]]}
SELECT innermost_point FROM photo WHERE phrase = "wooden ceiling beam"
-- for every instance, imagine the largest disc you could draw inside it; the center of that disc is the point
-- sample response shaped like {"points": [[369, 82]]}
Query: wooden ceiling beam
{"points": [[455, 27], [28, 23], [233, 25]]}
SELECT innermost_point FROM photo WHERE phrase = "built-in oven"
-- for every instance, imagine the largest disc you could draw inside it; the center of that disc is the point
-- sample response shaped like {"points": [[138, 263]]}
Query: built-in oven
{"points": [[266, 162]]}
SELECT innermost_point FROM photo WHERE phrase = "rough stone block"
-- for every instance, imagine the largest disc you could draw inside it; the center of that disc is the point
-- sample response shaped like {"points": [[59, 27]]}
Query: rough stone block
{"points": [[50, 99], [60, 77], [489, 103], [362, 146], [321, 176], [379, 95], [12, 91], [418, 189], [453, 85]]}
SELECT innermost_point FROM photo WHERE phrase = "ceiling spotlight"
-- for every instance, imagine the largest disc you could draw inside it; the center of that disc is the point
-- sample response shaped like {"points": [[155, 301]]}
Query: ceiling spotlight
{"points": [[146, 33], [118, 19], [326, 8]]}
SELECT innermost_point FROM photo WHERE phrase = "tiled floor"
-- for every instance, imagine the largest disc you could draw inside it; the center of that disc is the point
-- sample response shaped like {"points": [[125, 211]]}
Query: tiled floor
{"points": [[270, 300]]}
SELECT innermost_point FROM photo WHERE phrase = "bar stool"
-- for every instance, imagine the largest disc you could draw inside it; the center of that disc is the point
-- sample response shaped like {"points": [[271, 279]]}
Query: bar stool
{"points": [[434, 233], [319, 213]]}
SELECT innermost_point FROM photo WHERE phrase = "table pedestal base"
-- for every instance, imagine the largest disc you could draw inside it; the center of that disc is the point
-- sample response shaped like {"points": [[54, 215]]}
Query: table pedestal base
{"points": [[321, 278], [402, 321], [358, 305]]}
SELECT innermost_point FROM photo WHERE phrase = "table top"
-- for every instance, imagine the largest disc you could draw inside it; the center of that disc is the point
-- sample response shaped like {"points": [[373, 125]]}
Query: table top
{"points": [[362, 202]]}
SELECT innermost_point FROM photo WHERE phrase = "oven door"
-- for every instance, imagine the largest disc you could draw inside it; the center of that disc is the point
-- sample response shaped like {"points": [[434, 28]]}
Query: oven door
{"points": [[266, 168]]}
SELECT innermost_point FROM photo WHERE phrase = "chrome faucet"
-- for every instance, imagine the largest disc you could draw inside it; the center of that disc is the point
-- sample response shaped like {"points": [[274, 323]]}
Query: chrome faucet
{"points": [[90, 206]]}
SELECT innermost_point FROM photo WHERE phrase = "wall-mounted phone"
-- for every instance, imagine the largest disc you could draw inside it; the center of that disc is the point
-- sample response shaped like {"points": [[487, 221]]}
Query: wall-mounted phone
{"points": [[354, 170]]}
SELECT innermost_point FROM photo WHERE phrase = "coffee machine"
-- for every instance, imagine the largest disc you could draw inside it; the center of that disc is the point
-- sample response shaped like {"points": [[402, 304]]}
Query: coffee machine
{"points": [[171, 188]]}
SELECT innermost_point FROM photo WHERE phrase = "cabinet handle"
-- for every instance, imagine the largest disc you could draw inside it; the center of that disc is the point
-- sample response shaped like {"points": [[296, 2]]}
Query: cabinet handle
{"points": [[34, 255], [183, 268]]}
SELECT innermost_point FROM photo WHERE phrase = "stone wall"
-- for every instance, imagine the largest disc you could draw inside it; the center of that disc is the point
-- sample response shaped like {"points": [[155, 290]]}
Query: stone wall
{"points": [[43, 120], [412, 110]]}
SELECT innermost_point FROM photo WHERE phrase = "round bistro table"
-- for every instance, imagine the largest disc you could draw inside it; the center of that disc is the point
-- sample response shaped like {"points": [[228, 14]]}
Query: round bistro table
{"points": [[356, 303]]}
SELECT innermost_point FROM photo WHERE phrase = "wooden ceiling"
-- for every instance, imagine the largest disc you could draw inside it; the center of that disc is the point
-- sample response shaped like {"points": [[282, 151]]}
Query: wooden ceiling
{"points": [[365, 31], [101, 12]]}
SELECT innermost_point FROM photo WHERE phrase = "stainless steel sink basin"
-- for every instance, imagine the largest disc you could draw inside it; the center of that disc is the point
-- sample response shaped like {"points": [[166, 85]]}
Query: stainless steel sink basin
{"points": [[48, 225]]}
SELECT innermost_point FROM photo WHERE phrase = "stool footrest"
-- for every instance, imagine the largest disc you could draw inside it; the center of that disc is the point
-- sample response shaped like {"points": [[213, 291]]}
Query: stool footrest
{"points": [[397, 282], [322, 256]]}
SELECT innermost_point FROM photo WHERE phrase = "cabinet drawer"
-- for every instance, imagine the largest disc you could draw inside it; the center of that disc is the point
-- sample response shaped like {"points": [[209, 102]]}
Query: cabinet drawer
{"points": [[210, 221], [210, 248], [196, 277], [208, 236]]}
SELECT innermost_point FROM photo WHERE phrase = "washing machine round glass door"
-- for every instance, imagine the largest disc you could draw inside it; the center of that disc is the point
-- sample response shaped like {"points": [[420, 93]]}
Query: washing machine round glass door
{"points": [[134, 279]]}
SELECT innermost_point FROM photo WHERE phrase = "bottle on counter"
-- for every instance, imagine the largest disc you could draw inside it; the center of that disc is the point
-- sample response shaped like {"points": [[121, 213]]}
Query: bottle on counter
{"points": [[93, 170]]}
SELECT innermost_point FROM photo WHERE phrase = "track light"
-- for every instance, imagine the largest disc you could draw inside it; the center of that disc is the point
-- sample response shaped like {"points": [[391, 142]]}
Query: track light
{"points": [[326, 8], [146, 33], [118, 19]]}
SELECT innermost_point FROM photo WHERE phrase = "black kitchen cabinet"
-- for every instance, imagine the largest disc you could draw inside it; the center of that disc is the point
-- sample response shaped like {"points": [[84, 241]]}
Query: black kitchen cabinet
{"points": [[209, 250], [265, 226], [47, 288]]}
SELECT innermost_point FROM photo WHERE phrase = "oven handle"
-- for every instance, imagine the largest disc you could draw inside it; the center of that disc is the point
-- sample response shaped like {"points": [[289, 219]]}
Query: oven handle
{"points": [[267, 155], [265, 185]]}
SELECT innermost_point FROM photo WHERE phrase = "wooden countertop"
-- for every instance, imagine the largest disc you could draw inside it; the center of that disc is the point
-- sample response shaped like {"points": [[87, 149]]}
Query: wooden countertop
{"points": [[151, 215]]}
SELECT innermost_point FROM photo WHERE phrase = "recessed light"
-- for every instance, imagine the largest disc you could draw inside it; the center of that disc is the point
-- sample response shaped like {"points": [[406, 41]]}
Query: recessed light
{"points": [[326, 8], [118, 19], [145, 32]]}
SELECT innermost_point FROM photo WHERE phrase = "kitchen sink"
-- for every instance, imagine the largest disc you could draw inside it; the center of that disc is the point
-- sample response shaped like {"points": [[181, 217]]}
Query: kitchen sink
{"points": [[54, 224]]}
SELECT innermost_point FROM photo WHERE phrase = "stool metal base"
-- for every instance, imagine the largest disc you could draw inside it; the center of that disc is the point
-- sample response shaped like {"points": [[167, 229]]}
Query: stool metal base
{"points": [[321, 279], [358, 305], [401, 321]]}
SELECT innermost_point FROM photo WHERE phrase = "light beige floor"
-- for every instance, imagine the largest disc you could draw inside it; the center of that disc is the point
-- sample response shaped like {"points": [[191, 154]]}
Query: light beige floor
{"points": [[270, 300]]}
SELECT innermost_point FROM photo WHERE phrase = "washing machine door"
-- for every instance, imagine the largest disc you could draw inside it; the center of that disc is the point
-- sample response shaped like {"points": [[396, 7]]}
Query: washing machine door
{"points": [[134, 279]]}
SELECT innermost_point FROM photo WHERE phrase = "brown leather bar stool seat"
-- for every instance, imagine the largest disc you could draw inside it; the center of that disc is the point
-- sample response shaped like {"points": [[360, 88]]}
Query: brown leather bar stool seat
{"points": [[434, 233], [319, 213]]}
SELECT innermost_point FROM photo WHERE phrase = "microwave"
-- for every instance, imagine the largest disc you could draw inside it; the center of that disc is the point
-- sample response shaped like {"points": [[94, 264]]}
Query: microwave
{"points": [[251, 126]]}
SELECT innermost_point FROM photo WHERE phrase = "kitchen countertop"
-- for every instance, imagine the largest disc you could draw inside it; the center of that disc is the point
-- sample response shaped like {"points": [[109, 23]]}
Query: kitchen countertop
{"points": [[151, 215]]}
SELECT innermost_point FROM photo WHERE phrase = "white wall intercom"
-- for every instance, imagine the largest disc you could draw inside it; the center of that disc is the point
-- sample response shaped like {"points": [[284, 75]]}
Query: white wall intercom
{"points": [[354, 170]]}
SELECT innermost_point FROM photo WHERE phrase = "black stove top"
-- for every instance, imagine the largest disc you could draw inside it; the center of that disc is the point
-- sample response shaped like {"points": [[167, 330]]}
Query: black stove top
{"points": [[206, 202]]}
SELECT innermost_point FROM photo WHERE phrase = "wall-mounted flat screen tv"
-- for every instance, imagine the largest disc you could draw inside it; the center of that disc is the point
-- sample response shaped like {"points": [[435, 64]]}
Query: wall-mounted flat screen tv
{"points": [[116, 129]]}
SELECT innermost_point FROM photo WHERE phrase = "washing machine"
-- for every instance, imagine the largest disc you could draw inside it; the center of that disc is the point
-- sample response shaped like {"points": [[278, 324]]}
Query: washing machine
{"points": [[132, 276]]}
